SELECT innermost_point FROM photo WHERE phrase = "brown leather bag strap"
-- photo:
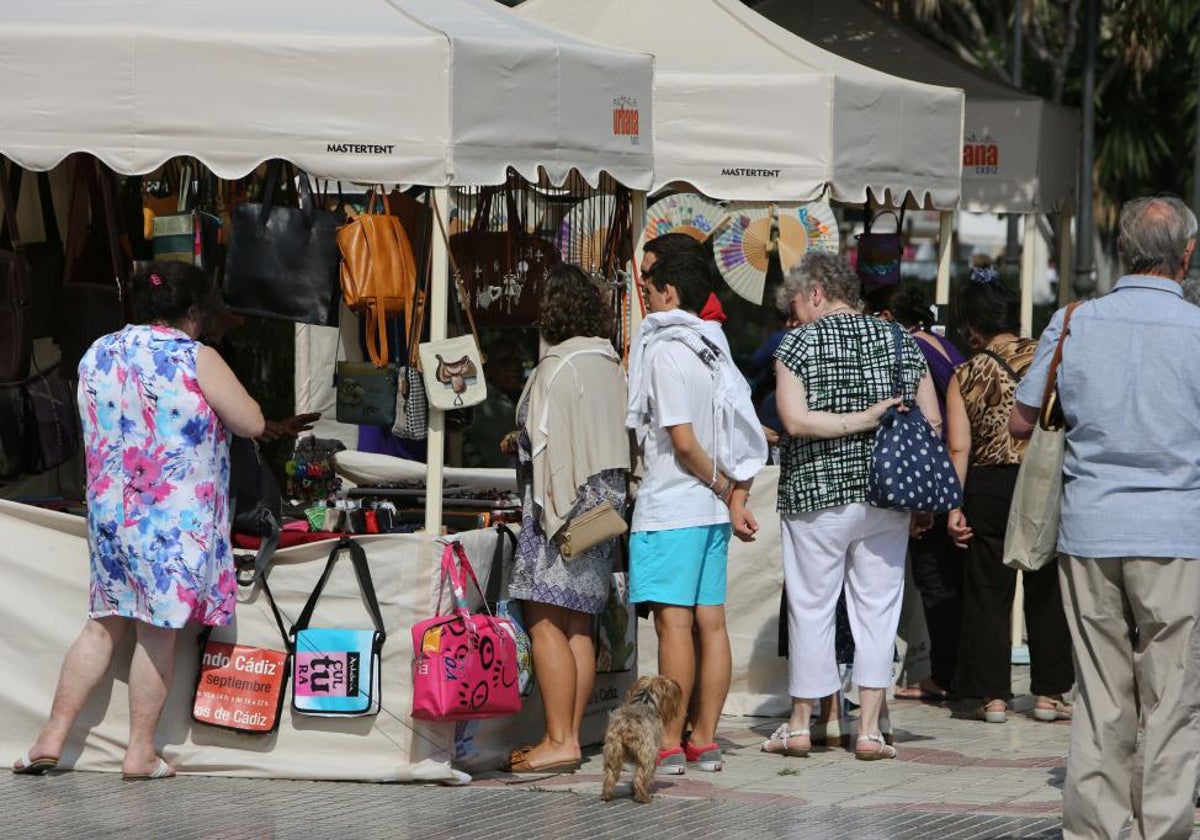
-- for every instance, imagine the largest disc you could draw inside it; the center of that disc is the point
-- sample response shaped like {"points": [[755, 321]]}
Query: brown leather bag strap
{"points": [[1052, 376], [463, 297], [8, 203]]}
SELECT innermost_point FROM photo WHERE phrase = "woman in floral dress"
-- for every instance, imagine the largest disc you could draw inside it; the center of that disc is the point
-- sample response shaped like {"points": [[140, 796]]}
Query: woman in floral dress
{"points": [[157, 408], [574, 454]]}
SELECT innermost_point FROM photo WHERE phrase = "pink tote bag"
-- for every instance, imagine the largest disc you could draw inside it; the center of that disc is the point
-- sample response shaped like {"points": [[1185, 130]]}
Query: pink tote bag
{"points": [[464, 665]]}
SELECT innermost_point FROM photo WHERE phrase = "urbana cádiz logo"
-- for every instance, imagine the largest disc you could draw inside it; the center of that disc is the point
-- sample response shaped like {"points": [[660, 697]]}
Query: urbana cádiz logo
{"points": [[981, 154], [359, 148], [626, 119]]}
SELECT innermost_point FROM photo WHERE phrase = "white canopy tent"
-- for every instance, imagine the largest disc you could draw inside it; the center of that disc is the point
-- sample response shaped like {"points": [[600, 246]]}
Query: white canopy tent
{"points": [[431, 92], [1020, 151], [744, 109]]}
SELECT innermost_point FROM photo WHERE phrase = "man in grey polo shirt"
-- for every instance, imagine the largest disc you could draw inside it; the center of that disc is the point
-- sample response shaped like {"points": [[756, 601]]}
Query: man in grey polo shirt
{"points": [[1129, 384]]}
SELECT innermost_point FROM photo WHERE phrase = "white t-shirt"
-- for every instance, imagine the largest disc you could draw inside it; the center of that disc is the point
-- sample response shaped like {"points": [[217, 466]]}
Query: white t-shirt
{"points": [[681, 391]]}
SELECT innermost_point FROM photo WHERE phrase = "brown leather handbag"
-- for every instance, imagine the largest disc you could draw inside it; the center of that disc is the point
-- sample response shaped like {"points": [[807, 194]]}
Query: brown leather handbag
{"points": [[378, 272], [503, 269]]}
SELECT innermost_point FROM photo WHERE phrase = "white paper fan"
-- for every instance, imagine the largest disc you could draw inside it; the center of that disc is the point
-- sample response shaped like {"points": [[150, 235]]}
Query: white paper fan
{"points": [[742, 247], [688, 213]]}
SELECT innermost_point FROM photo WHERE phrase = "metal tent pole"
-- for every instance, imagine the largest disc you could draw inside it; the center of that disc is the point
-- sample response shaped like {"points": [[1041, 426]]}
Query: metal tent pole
{"points": [[438, 309]]}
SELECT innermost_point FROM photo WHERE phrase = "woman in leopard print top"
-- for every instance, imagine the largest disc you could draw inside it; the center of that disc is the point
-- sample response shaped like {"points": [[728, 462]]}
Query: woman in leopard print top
{"points": [[987, 458]]}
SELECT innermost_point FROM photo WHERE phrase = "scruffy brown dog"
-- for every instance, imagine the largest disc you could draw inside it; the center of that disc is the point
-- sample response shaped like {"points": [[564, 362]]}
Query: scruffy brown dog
{"points": [[635, 730]]}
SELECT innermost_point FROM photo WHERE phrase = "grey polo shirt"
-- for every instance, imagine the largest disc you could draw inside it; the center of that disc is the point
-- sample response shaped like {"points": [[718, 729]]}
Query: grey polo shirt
{"points": [[1129, 384]]}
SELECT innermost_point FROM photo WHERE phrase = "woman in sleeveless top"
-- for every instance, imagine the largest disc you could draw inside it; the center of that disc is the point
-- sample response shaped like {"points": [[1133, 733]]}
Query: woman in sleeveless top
{"points": [[158, 408], [987, 458]]}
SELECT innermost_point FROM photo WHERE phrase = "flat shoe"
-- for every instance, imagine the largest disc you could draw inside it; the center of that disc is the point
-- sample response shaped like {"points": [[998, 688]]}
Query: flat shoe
{"points": [[989, 713], [881, 751], [922, 694], [162, 770], [1049, 710], [523, 766], [35, 766], [777, 744]]}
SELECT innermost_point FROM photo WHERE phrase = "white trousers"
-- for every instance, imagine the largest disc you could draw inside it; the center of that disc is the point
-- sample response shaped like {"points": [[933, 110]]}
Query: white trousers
{"points": [[862, 547]]}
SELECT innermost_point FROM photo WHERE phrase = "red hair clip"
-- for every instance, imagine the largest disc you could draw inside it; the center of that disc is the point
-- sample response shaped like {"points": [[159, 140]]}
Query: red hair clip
{"points": [[155, 280]]}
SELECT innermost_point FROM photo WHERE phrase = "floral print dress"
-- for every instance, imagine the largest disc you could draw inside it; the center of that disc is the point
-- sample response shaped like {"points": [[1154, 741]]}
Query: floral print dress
{"points": [[157, 482], [539, 572]]}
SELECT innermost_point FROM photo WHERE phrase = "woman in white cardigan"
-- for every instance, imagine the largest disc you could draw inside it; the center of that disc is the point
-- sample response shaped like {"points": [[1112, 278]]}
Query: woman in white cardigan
{"points": [[574, 454]]}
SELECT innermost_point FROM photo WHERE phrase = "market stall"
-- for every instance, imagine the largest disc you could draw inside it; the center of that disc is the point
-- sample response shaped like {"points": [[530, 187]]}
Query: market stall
{"points": [[1020, 152], [411, 92]]}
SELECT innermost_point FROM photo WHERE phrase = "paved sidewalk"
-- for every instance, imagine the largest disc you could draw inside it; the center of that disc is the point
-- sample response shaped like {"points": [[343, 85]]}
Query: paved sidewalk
{"points": [[955, 778]]}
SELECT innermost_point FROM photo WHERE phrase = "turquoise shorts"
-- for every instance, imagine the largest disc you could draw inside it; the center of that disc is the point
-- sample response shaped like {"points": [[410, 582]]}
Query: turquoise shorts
{"points": [[681, 567]]}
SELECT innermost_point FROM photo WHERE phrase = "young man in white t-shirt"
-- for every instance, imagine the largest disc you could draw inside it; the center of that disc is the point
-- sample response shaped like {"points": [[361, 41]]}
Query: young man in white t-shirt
{"points": [[685, 512]]}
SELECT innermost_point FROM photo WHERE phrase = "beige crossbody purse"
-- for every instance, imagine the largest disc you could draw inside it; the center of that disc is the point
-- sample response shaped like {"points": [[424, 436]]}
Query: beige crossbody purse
{"points": [[589, 529]]}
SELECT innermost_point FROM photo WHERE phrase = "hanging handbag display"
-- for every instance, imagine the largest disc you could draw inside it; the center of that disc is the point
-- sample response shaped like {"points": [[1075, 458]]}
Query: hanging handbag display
{"points": [[453, 367], [910, 466], [187, 235], [97, 272], [335, 672], [16, 335], [283, 260], [502, 606], [241, 687], [879, 254], [378, 271], [1031, 536], [412, 407], [465, 666], [56, 421], [17, 427], [45, 258], [502, 270], [366, 394]]}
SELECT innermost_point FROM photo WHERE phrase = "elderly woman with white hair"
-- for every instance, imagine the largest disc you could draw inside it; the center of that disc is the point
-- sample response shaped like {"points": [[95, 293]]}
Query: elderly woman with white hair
{"points": [[835, 376]]}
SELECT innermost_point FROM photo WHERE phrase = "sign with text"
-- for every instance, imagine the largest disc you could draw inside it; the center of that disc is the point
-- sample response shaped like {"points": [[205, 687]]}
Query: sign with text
{"points": [[240, 687]]}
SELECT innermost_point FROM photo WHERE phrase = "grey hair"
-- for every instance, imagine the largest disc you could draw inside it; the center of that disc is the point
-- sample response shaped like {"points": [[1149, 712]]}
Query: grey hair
{"points": [[818, 268], [1154, 233]]}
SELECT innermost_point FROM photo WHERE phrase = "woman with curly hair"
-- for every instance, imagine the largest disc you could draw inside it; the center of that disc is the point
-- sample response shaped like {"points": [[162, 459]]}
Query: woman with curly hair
{"points": [[574, 454]]}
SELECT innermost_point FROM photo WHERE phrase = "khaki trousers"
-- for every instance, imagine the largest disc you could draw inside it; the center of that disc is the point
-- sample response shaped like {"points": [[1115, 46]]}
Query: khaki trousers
{"points": [[1134, 634]]}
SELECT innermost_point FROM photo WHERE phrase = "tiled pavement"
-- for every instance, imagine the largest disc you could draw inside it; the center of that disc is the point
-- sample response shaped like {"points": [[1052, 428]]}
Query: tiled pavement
{"points": [[955, 778]]}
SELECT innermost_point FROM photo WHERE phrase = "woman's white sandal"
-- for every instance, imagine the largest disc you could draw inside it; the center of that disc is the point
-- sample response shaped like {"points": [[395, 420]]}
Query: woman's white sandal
{"points": [[884, 750], [777, 744]]}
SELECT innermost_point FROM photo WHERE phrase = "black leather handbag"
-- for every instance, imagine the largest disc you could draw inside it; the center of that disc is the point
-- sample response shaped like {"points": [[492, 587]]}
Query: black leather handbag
{"points": [[16, 340], [283, 260], [45, 258], [93, 301]]}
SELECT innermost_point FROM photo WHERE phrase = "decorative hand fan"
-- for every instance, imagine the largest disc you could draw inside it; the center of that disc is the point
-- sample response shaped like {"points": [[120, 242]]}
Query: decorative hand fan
{"points": [[743, 245], [687, 213], [584, 230]]}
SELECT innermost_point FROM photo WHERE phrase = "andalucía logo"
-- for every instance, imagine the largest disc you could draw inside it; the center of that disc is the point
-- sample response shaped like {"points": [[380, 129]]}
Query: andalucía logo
{"points": [[626, 118], [981, 154]]}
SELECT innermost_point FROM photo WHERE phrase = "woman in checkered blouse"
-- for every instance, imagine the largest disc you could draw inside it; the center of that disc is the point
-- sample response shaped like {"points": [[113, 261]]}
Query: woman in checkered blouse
{"points": [[835, 375]]}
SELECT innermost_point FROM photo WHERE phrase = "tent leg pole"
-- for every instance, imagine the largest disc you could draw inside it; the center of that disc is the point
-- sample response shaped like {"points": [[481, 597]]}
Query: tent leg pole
{"points": [[945, 245], [1027, 269], [438, 308], [1065, 258]]}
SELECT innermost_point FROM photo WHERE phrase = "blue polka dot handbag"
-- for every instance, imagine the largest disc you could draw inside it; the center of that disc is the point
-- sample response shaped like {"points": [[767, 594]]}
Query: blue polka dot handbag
{"points": [[910, 467]]}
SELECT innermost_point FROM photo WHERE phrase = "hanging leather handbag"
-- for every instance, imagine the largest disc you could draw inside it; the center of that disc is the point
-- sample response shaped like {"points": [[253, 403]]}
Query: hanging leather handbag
{"points": [[52, 401], [366, 394], [97, 272], [502, 270], [17, 427], [188, 235], [283, 260], [45, 258], [879, 254], [910, 466], [335, 672], [378, 272], [16, 337]]}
